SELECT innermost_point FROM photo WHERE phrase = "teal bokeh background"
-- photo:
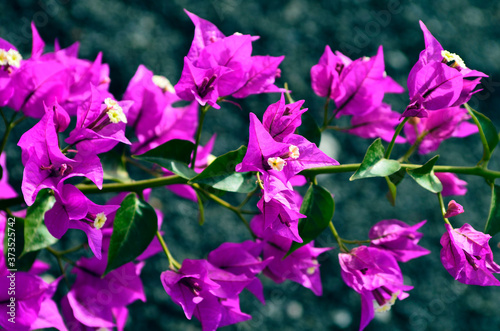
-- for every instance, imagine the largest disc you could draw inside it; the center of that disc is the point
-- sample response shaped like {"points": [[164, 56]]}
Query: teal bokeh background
{"points": [[158, 34]]}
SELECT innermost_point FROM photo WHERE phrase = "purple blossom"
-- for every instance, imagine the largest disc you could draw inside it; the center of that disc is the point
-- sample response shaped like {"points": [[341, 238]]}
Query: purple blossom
{"points": [[207, 292], [281, 119], [100, 123], [39, 81], [380, 122], [153, 103], [440, 125], [73, 209], [398, 238], [453, 209], [452, 185], [282, 160], [467, 256], [357, 87], [373, 273], [6, 191], [241, 258], [281, 215], [438, 79], [219, 66], [100, 302], [10, 62], [33, 305], [46, 166], [147, 89], [301, 266]]}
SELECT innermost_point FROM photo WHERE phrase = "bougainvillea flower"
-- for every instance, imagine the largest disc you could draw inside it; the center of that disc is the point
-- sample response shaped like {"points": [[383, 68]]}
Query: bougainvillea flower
{"points": [[261, 76], [6, 191], [281, 120], [147, 89], [46, 166], [73, 209], [301, 266], [381, 122], [282, 215], [398, 238], [373, 273], [218, 66], [84, 302], [155, 105], [325, 75], [241, 258], [440, 125], [357, 87], [207, 292], [33, 307], [280, 159], [454, 209], [83, 73], [467, 256], [200, 84], [438, 79], [452, 185], [39, 81], [10, 62], [100, 123]]}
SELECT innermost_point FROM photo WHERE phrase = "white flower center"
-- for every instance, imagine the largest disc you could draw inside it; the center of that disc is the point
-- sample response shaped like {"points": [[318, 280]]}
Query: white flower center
{"points": [[386, 306], [449, 57], [100, 220], [293, 152], [115, 112], [14, 58], [163, 83], [276, 163]]}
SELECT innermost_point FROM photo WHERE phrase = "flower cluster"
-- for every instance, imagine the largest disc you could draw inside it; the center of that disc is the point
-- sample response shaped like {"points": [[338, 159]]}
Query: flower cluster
{"points": [[217, 66], [439, 79], [358, 88], [279, 155], [374, 272], [69, 98]]}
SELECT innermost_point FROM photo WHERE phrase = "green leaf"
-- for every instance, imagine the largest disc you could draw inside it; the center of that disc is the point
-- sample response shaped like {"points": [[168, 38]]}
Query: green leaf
{"points": [[173, 155], [318, 205], [374, 164], [493, 223], [36, 235], [489, 130], [309, 129], [14, 236], [134, 228], [424, 176], [114, 168], [221, 174]]}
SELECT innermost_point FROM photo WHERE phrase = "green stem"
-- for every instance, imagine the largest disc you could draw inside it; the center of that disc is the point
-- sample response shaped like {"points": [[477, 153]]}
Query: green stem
{"points": [[202, 112], [486, 149], [396, 134], [443, 208], [225, 204], [356, 242], [343, 248], [172, 263], [140, 185]]}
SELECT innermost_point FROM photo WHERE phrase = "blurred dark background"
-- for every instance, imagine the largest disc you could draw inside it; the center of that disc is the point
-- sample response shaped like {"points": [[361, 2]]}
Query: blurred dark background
{"points": [[158, 34]]}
